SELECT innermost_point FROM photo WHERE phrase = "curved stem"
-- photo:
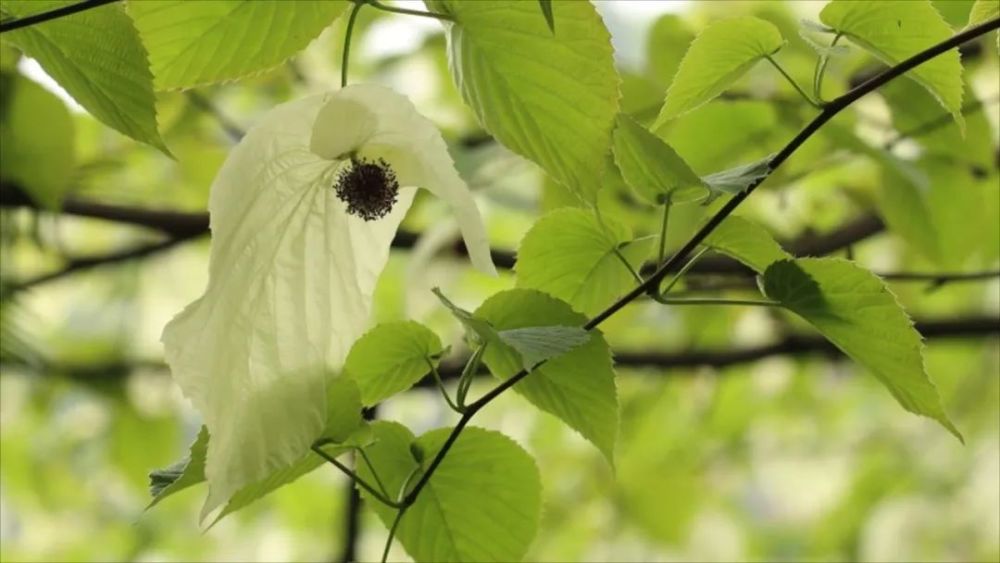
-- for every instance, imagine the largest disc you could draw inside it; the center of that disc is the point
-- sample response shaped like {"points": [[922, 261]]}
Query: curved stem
{"points": [[345, 60], [52, 14], [400, 498], [791, 81], [380, 6], [441, 387], [392, 533], [821, 70], [828, 112], [465, 380]]}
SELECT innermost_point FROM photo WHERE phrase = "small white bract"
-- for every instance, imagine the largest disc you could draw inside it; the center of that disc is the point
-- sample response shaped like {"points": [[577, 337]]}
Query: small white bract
{"points": [[298, 242]]}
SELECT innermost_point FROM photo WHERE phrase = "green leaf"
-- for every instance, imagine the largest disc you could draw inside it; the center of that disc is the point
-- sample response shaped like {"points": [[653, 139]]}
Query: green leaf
{"points": [[37, 136], [195, 43], [476, 329], [191, 471], [737, 179], [97, 57], [720, 54], [894, 31], [181, 475], [916, 114], [902, 197], [668, 38], [549, 97], [533, 345], [569, 254], [854, 310], [390, 358], [287, 475], [537, 344], [650, 166], [546, 7], [343, 409], [483, 502], [747, 242], [578, 387], [983, 11]]}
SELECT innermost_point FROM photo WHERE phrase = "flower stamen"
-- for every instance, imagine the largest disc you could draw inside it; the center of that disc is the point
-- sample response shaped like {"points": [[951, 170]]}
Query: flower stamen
{"points": [[369, 188]]}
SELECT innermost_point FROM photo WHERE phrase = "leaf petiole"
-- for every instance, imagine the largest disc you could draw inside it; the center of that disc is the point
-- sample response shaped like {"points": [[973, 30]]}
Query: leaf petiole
{"points": [[821, 70], [392, 9], [658, 295], [663, 233], [712, 301], [794, 84], [347, 42], [468, 373], [317, 447], [441, 387], [400, 498]]}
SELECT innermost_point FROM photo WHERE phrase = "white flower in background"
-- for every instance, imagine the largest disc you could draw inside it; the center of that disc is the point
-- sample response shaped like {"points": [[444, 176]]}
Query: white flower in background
{"points": [[302, 215]]}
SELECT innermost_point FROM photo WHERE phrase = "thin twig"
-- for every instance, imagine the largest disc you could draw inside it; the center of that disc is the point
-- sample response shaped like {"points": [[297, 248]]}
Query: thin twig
{"points": [[52, 14]]}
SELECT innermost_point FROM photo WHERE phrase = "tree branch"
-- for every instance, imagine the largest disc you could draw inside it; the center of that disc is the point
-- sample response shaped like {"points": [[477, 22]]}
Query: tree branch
{"points": [[967, 327], [180, 227], [653, 282], [52, 14]]}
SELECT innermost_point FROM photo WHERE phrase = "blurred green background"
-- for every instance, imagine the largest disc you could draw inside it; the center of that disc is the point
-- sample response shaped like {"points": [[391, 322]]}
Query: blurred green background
{"points": [[792, 458]]}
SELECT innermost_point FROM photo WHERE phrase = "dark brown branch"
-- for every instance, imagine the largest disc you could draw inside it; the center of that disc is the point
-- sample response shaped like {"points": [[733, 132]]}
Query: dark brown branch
{"points": [[52, 14]]}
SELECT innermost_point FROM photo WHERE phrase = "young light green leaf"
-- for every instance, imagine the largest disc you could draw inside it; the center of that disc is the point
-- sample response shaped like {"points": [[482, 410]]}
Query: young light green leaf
{"points": [[983, 11], [569, 254], [737, 179], [654, 171], [720, 54], [894, 31], [532, 344], [476, 329], [482, 504], [551, 97], [181, 475], [747, 242], [97, 57], [578, 386], [37, 136], [195, 43], [546, 7], [902, 197], [538, 344], [668, 38], [854, 310], [390, 358], [343, 409]]}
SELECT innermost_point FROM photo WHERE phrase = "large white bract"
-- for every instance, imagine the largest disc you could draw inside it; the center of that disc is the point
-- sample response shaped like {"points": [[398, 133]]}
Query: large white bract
{"points": [[292, 273]]}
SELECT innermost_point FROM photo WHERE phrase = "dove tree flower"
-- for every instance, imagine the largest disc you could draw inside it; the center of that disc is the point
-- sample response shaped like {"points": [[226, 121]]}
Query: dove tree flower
{"points": [[302, 216]]}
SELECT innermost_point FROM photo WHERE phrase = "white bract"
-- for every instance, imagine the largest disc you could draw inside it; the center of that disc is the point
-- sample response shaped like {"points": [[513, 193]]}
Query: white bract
{"points": [[292, 272]]}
